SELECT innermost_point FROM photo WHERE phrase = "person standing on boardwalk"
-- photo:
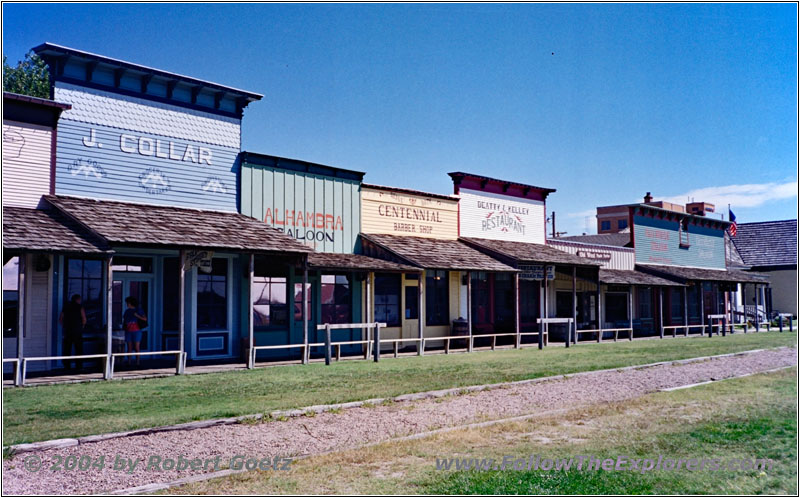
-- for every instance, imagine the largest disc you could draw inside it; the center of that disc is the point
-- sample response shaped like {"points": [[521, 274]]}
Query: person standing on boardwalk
{"points": [[131, 324], [72, 320]]}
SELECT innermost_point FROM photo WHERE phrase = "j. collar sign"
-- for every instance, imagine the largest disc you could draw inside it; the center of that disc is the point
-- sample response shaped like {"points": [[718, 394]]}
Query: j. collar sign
{"points": [[145, 146]]}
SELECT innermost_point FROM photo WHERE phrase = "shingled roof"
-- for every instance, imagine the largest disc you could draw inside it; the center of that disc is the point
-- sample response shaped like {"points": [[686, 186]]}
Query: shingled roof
{"points": [[331, 261], [603, 239], [685, 274], [768, 243], [524, 251], [36, 230], [633, 277], [436, 253], [152, 226]]}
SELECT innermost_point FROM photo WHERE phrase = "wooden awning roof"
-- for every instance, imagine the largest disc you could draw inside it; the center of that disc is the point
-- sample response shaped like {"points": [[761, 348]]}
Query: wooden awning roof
{"points": [[441, 254], [124, 223]]}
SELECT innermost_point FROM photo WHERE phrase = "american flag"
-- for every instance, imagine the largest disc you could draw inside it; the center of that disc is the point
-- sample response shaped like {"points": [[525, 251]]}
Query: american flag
{"points": [[732, 219]]}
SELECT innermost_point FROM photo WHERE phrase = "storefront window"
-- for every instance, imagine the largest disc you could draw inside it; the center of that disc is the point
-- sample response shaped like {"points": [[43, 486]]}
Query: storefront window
{"points": [[645, 304], [412, 303], [212, 296], [503, 300], [564, 304], [10, 297], [387, 299], [437, 298], [269, 301], [694, 303], [676, 304], [85, 277], [529, 306], [336, 300], [132, 264], [617, 308], [298, 302]]}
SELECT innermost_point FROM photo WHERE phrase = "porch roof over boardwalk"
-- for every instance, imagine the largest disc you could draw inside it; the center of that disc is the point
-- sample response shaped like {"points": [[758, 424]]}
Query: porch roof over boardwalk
{"points": [[441, 254], [633, 277], [125, 223], [521, 252], [35, 230], [336, 261], [686, 274]]}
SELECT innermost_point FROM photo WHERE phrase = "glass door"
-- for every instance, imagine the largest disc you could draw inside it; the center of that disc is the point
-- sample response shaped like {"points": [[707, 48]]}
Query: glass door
{"points": [[121, 289]]}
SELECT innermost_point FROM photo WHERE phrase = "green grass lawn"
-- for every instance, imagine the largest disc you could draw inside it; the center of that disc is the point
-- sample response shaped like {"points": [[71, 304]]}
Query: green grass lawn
{"points": [[752, 417], [70, 410]]}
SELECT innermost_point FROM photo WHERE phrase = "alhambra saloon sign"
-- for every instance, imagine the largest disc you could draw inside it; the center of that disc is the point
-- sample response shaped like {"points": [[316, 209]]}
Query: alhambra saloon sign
{"points": [[501, 217]]}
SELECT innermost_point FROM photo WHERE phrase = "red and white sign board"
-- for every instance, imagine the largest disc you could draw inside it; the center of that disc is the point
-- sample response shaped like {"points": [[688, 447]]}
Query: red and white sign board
{"points": [[500, 217]]}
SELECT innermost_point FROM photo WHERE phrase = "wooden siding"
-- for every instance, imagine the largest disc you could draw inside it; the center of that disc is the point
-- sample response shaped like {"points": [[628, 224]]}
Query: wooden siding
{"points": [[656, 241], [26, 163], [608, 257], [501, 217], [395, 213], [111, 148], [319, 211]]}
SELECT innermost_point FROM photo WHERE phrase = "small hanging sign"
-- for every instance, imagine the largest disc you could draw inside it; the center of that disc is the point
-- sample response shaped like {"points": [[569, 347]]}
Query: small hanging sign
{"points": [[200, 259]]}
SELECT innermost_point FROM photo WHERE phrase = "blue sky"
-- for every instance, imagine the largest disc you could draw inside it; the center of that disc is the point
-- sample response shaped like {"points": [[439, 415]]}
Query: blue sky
{"points": [[601, 102]]}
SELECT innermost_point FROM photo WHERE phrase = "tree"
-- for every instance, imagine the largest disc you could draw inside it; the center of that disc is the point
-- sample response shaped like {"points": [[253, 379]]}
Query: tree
{"points": [[29, 77]]}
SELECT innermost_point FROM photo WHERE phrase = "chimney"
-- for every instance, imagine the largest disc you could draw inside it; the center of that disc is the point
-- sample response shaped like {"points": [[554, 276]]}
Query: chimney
{"points": [[648, 198]]}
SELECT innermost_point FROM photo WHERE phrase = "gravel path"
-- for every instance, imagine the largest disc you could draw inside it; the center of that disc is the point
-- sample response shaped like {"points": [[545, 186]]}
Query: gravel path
{"points": [[354, 427]]}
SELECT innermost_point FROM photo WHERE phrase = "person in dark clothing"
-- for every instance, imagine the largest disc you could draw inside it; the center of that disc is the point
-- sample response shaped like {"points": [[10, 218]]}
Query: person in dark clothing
{"points": [[72, 320]]}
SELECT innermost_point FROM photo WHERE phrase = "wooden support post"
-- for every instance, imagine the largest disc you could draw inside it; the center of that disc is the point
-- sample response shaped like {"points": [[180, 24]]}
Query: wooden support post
{"points": [[396, 349], [19, 377], [108, 372], [630, 312], [469, 310], [494, 341], [182, 310], [780, 323], [724, 325], [744, 305], [420, 316], [327, 343], [599, 313], [574, 306], [304, 315], [338, 352], [251, 357], [757, 318], [542, 325], [447, 346], [702, 310], [686, 312], [377, 342], [518, 338], [710, 327], [661, 312], [369, 314]]}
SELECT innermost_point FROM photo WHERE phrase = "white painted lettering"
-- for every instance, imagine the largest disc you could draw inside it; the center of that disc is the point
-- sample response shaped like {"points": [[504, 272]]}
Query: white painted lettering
{"points": [[160, 153], [145, 146], [123, 146], [189, 154], [205, 155]]}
